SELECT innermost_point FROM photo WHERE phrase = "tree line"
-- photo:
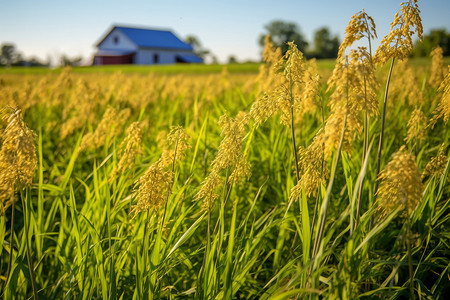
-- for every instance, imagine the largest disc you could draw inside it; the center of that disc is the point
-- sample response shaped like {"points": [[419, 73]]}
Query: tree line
{"points": [[326, 45]]}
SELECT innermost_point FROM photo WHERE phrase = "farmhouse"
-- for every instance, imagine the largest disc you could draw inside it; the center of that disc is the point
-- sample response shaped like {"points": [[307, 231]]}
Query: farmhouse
{"points": [[130, 45]]}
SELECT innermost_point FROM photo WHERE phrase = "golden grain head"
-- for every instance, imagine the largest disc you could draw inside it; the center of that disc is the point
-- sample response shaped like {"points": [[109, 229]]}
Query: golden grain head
{"points": [[233, 131], [294, 64], [436, 166], [401, 184], [18, 159], [443, 108], [110, 126], [129, 149], [437, 67], [241, 170], [398, 43], [271, 54], [310, 91], [361, 25], [416, 126], [151, 188], [207, 192], [312, 167]]}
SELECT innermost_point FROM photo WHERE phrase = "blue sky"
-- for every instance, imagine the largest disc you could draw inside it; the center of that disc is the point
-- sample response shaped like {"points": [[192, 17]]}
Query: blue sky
{"points": [[49, 27]]}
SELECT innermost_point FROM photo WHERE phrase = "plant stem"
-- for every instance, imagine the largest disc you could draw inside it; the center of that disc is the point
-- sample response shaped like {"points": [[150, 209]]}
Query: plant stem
{"points": [[328, 195], [365, 147], [321, 169], [410, 264], [294, 146], [11, 239], [380, 145], [29, 259]]}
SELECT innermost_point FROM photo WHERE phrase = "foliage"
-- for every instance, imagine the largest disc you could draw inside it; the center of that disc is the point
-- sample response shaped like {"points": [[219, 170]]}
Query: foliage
{"points": [[281, 33], [436, 37], [325, 46]]}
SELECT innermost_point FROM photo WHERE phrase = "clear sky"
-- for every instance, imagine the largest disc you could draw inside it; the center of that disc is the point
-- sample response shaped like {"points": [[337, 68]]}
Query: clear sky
{"points": [[45, 28]]}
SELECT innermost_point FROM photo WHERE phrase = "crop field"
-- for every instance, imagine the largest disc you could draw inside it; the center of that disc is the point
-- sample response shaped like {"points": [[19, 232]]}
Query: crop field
{"points": [[289, 179]]}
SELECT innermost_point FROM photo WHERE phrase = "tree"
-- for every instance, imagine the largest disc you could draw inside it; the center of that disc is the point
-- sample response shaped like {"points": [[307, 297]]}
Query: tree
{"points": [[197, 46], [9, 54], [281, 33], [325, 46], [67, 61], [232, 59], [436, 37]]}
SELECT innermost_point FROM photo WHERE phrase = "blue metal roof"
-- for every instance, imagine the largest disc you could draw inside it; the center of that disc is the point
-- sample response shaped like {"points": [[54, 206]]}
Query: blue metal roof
{"points": [[149, 38], [190, 58]]}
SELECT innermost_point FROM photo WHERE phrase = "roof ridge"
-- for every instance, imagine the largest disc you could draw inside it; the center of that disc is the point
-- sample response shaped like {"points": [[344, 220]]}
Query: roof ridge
{"points": [[142, 27]]}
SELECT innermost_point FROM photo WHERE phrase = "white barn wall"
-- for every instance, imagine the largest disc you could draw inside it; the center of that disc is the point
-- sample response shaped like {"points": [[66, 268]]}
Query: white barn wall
{"points": [[146, 56], [124, 43]]}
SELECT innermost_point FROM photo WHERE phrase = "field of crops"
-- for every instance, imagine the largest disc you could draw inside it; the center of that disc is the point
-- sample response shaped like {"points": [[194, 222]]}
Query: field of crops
{"points": [[246, 183]]}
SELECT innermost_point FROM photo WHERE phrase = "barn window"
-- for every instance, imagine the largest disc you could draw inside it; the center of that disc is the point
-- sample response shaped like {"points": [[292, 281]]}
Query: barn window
{"points": [[156, 58], [116, 40]]}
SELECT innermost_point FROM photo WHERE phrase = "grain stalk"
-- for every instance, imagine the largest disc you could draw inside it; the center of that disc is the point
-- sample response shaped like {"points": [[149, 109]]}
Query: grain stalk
{"points": [[380, 144]]}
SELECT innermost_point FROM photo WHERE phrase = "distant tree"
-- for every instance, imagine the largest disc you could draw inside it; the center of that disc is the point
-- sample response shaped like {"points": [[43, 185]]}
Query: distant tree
{"points": [[8, 54], [67, 61], [232, 59], [197, 46], [436, 37], [281, 33], [325, 46], [214, 59]]}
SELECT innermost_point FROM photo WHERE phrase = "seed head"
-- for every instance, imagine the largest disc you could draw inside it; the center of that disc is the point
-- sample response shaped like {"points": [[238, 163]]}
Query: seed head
{"points": [[416, 127], [361, 25], [398, 43], [443, 108], [151, 188], [436, 166], [129, 149], [228, 156], [18, 160], [286, 90], [109, 126], [312, 167], [177, 140], [437, 67], [401, 184]]}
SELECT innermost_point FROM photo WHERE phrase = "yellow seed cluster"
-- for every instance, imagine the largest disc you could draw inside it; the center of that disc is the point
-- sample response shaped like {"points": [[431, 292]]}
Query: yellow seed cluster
{"points": [[354, 85], [129, 149], [153, 187], [177, 138], [18, 160], [346, 102], [401, 184], [436, 166], [416, 126], [313, 169], [398, 43], [443, 108], [437, 67], [361, 25], [405, 86], [286, 91], [109, 126], [228, 156]]}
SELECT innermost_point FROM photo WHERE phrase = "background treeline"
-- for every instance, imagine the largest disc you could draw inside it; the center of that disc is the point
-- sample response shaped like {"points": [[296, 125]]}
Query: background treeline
{"points": [[326, 45]]}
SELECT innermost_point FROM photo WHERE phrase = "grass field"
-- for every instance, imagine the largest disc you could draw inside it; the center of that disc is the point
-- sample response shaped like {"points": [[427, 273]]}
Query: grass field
{"points": [[226, 182]]}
